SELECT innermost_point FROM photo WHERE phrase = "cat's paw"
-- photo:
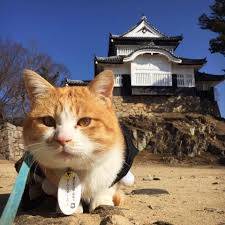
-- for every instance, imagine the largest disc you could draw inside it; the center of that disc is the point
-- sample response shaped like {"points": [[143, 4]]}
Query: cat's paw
{"points": [[101, 200], [127, 180], [79, 209], [49, 188]]}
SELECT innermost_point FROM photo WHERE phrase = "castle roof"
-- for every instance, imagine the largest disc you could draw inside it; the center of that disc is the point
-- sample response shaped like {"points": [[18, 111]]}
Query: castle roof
{"points": [[144, 23], [111, 59], [141, 34], [201, 76], [77, 82], [122, 38], [150, 49]]}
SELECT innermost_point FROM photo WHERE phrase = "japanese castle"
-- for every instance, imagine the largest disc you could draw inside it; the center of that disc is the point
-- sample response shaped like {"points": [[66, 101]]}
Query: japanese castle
{"points": [[144, 62]]}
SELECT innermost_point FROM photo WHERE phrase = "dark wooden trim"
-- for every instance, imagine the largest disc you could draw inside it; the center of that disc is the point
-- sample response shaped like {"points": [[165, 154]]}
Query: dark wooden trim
{"points": [[117, 91], [156, 90], [174, 80], [126, 81]]}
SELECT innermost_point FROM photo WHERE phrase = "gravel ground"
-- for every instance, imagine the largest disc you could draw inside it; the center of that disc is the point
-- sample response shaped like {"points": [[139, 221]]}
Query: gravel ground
{"points": [[187, 195]]}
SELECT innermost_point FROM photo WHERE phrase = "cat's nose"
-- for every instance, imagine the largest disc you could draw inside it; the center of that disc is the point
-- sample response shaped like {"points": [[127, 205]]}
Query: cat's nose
{"points": [[62, 140]]}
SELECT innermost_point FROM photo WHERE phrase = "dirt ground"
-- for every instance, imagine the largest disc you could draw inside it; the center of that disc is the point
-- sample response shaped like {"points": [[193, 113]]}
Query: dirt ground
{"points": [[180, 195]]}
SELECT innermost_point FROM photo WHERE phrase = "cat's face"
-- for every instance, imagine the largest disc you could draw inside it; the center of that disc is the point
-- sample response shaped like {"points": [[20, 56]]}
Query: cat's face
{"points": [[70, 126]]}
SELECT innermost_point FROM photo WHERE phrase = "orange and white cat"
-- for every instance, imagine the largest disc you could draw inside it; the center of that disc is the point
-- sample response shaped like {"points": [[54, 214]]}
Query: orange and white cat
{"points": [[76, 127]]}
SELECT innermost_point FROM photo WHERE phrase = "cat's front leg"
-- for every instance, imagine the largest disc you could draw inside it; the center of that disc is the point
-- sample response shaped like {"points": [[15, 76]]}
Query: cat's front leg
{"points": [[49, 188], [104, 197]]}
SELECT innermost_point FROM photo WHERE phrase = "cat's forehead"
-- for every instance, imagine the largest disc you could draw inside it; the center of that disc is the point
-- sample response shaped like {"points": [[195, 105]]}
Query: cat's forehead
{"points": [[73, 100], [72, 92], [68, 102], [67, 114]]}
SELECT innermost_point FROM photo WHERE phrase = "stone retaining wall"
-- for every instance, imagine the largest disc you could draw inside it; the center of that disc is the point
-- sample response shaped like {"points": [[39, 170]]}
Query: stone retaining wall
{"points": [[136, 105], [11, 141]]}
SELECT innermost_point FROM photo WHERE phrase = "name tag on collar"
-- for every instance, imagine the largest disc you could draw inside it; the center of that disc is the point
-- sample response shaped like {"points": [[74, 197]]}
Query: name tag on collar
{"points": [[69, 192]]}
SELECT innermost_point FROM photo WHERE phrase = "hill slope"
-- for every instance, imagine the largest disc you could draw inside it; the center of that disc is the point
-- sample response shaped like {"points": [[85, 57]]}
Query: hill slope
{"points": [[178, 134]]}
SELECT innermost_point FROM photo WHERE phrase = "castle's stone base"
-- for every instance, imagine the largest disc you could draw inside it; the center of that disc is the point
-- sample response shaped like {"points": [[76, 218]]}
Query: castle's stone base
{"points": [[136, 105], [11, 141]]}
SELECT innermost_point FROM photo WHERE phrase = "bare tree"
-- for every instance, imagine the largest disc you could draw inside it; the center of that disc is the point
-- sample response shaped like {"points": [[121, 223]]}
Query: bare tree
{"points": [[14, 58]]}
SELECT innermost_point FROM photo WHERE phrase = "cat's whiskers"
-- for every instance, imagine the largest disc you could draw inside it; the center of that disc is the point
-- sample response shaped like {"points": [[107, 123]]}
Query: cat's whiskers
{"points": [[34, 144]]}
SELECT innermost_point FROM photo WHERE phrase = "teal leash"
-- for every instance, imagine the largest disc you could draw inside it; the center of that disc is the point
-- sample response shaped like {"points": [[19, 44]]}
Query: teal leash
{"points": [[10, 210]]}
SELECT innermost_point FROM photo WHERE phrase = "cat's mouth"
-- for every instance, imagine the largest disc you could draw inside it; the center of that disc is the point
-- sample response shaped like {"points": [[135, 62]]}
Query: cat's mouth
{"points": [[65, 154]]}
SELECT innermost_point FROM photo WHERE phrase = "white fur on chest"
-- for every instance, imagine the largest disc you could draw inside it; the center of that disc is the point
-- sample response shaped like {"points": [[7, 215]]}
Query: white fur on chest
{"points": [[103, 173]]}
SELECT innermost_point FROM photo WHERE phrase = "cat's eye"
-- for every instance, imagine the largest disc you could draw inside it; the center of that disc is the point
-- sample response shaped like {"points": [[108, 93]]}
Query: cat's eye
{"points": [[48, 121], [84, 122]]}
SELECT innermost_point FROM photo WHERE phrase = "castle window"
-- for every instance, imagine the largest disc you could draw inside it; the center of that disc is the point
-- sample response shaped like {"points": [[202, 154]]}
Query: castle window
{"points": [[118, 80], [185, 80]]}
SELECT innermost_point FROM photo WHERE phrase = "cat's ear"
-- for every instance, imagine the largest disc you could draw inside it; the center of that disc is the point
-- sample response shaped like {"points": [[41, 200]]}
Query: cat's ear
{"points": [[36, 85], [103, 84]]}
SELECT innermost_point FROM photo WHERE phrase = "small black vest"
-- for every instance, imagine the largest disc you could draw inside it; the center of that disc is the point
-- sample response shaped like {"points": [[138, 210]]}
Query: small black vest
{"points": [[130, 152]]}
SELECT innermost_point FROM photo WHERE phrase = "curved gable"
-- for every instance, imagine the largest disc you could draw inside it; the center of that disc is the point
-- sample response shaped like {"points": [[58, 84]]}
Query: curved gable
{"points": [[152, 51]]}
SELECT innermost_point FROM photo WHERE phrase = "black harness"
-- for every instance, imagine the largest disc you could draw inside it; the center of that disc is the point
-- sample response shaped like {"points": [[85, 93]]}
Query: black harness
{"points": [[130, 153]]}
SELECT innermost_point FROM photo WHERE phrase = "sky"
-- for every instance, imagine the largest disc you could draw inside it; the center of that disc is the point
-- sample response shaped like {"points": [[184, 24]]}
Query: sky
{"points": [[72, 32]]}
